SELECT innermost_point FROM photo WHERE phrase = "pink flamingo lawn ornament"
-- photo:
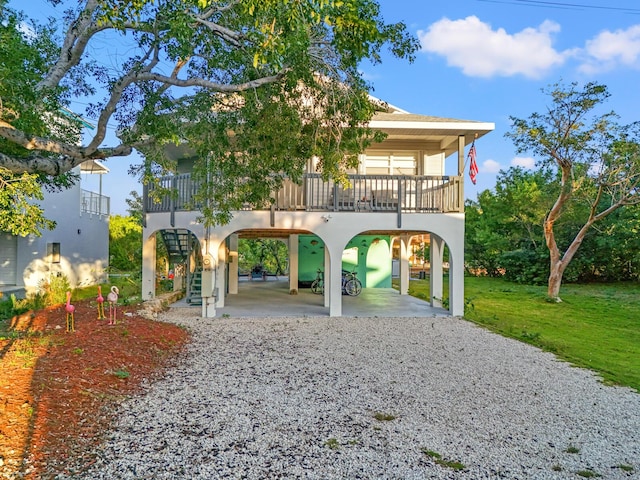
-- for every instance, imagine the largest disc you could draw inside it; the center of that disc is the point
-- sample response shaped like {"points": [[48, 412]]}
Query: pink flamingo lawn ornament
{"points": [[70, 309], [112, 298], [100, 300]]}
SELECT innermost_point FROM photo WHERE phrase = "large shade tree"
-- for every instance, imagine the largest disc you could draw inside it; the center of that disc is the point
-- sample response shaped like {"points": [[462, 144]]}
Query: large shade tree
{"points": [[595, 160], [503, 227], [251, 89]]}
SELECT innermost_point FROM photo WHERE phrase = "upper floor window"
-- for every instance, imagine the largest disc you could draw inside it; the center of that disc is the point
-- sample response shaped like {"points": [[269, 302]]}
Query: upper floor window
{"points": [[391, 163]]}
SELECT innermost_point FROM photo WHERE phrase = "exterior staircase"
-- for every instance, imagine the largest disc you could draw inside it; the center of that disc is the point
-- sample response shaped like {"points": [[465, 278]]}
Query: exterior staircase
{"points": [[194, 295], [183, 248], [177, 242]]}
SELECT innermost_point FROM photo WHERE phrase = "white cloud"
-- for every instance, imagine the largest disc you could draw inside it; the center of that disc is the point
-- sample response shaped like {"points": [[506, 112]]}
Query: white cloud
{"points": [[369, 77], [609, 50], [480, 51], [524, 162], [490, 166]]}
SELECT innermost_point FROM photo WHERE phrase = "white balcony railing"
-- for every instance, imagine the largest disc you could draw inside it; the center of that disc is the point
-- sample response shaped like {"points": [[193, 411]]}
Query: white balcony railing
{"points": [[365, 193], [94, 204]]}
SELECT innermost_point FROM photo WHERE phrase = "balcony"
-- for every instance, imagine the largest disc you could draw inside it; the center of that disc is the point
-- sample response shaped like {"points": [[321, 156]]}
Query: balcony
{"points": [[94, 204], [366, 193]]}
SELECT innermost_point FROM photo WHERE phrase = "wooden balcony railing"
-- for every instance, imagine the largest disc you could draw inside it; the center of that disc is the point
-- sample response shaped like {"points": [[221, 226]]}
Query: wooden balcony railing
{"points": [[366, 193]]}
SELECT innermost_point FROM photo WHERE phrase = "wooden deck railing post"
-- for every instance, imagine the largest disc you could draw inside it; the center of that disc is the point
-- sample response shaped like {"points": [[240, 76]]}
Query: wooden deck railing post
{"points": [[172, 201], [400, 198], [145, 199]]}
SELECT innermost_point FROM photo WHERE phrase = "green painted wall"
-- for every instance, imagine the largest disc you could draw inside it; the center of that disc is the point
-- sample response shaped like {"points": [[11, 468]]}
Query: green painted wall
{"points": [[367, 255], [310, 257]]}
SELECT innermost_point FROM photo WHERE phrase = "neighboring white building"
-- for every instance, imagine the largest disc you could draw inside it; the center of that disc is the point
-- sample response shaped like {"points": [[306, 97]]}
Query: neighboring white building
{"points": [[399, 190], [78, 247]]}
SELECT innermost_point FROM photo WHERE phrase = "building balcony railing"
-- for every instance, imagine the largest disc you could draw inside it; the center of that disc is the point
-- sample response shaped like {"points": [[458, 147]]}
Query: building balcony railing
{"points": [[366, 193], [94, 204]]}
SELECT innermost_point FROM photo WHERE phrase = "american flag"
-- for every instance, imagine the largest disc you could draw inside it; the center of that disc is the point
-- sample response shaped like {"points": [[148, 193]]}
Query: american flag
{"points": [[473, 167]]}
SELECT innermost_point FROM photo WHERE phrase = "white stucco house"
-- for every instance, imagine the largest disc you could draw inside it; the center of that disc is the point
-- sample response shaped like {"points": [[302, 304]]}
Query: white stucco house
{"points": [[400, 189], [77, 248]]}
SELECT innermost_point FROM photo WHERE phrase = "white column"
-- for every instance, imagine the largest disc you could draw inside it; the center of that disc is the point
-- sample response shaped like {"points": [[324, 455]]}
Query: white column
{"points": [[456, 276], [327, 277], [148, 266], [210, 281], [436, 252], [405, 271], [233, 264], [293, 262], [221, 276], [333, 276]]}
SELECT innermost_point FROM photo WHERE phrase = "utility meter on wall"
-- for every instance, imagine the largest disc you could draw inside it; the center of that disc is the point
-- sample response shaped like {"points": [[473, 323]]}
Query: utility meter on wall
{"points": [[207, 262], [207, 276]]}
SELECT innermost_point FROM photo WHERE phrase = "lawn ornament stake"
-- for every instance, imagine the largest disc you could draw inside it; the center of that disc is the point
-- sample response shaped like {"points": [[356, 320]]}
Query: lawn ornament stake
{"points": [[70, 309], [112, 298], [100, 300]]}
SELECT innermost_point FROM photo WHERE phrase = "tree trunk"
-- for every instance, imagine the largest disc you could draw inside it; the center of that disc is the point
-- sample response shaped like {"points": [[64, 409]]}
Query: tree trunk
{"points": [[557, 264], [555, 280]]}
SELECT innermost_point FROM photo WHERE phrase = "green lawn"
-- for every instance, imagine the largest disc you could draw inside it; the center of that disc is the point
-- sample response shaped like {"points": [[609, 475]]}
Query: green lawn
{"points": [[596, 326]]}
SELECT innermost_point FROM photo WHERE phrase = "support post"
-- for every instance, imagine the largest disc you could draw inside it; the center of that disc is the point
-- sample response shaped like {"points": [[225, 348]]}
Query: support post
{"points": [[149, 266], [293, 262], [461, 143], [405, 270], [436, 252], [233, 264]]}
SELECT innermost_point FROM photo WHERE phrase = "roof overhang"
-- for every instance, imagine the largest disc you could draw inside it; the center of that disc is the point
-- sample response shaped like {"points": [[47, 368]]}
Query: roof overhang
{"points": [[93, 166], [443, 131]]}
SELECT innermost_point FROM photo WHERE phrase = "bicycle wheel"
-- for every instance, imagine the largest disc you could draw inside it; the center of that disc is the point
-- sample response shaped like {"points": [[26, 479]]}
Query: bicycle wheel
{"points": [[317, 286], [353, 287]]}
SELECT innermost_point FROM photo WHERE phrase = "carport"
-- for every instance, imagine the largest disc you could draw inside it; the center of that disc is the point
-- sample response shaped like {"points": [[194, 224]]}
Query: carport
{"points": [[271, 298]]}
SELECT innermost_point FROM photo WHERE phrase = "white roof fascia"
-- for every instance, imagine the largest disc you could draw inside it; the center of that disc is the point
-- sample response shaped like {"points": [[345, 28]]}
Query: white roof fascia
{"points": [[394, 125], [387, 104], [93, 166]]}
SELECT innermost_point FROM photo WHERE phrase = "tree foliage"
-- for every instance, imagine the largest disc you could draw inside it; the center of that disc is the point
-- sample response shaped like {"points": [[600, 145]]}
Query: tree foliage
{"points": [[125, 244], [20, 215], [504, 233], [595, 161], [135, 206], [563, 221], [23, 61], [252, 88], [504, 227], [272, 255]]}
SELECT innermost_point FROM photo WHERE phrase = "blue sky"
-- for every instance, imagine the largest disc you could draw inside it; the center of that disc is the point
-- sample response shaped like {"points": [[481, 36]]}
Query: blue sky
{"points": [[488, 60]]}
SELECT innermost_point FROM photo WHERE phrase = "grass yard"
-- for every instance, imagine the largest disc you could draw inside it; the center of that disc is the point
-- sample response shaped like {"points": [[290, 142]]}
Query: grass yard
{"points": [[597, 326]]}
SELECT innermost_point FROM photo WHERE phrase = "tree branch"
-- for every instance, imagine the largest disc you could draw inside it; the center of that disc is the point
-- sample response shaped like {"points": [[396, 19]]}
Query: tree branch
{"points": [[214, 86], [226, 34], [69, 156], [75, 42], [116, 94]]}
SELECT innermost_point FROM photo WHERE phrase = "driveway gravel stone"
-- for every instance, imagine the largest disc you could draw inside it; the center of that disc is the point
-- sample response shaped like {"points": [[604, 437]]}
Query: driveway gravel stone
{"points": [[364, 398]]}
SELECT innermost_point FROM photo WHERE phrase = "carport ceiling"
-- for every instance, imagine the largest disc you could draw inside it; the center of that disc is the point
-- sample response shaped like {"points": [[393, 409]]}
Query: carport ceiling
{"points": [[282, 233]]}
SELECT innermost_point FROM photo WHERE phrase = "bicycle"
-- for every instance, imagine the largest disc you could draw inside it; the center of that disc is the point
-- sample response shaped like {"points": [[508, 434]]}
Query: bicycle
{"points": [[350, 284], [317, 286]]}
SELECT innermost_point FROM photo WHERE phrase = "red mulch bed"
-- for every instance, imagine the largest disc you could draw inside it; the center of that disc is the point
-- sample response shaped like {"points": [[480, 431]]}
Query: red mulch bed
{"points": [[59, 391]]}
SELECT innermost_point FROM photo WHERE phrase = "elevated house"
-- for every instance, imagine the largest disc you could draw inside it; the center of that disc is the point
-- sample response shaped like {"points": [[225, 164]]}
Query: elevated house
{"points": [[399, 190], [77, 248]]}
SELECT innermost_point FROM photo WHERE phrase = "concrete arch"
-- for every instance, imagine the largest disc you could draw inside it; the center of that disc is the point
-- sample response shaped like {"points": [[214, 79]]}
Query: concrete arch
{"points": [[191, 256], [230, 254], [334, 229], [436, 276]]}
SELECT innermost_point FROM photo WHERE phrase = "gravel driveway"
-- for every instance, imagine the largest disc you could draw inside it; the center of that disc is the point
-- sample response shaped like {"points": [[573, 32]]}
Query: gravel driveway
{"points": [[365, 398]]}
